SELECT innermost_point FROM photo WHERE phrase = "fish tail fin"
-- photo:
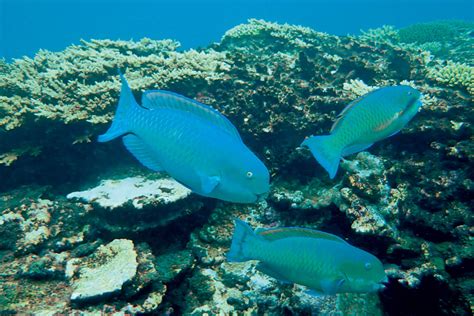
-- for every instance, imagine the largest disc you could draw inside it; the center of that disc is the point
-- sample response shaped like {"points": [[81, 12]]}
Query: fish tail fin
{"points": [[244, 238], [126, 104], [325, 151]]}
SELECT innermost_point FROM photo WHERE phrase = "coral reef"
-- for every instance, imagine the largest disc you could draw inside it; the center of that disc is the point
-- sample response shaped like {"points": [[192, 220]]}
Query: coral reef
{"points": [[138, 191], [104, 273], [162, 248], [454, 75], [386, 34], [135, 204], [428, 32]]}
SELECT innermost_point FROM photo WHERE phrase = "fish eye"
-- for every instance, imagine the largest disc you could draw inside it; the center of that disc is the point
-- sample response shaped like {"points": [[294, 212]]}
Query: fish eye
{"points": [[410, 93], [249, 174], [368, 266]]}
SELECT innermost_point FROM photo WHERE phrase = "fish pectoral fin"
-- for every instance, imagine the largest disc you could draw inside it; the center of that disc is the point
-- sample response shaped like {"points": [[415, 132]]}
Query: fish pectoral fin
{"points": [[209, 183], [262, 267], [141, 151], [331, 287]]}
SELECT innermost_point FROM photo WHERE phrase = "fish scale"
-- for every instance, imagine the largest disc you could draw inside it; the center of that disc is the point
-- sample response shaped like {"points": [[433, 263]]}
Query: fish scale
{"points": [[371, 118], [320, 261]]}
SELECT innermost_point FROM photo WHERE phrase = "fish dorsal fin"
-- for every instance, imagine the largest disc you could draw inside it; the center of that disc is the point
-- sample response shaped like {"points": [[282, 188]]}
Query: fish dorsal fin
{"points": [[341, 115], [159, 99], [285, 232]]}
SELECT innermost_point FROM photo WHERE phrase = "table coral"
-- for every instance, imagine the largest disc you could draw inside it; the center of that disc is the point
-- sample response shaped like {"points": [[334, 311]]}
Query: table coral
{"points": [[139, 191], [105, 272]]}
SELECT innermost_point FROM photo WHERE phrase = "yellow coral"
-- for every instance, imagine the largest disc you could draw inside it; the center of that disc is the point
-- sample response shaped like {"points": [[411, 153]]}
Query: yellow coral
{"points": [[356, 88], [454, 75], [81, 84], [10, 157]]}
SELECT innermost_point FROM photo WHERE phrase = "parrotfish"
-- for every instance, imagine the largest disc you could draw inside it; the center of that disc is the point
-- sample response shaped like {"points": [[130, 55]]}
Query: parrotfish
{"points": [[324, 263], [376, 115], [192, 142]]}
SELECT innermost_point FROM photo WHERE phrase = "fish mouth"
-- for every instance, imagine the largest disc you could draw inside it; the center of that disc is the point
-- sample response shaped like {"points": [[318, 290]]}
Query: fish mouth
{"points": [[382, 285], [415, 101], [261, 197]]}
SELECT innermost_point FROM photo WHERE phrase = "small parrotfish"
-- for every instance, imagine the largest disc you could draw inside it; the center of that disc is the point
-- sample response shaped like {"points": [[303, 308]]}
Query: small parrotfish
{"points": [[374, 116], [192, 142], [324, 263]]}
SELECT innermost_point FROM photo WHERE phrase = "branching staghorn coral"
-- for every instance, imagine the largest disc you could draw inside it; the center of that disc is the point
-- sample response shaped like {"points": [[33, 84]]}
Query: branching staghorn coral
{"points": [[356, 88], [81, 82], [386, 34], [8, 158], [454, 75]]}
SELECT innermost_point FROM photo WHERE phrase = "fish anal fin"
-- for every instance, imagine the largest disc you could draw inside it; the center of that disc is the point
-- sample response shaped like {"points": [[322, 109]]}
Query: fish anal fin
{"points": [[142, 152], [271, 272], [352, 149]]}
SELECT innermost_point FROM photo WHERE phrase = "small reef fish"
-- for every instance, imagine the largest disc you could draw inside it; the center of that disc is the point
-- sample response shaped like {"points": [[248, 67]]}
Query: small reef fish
{"points": [[192, 142], [323, 262], [374, 116]]}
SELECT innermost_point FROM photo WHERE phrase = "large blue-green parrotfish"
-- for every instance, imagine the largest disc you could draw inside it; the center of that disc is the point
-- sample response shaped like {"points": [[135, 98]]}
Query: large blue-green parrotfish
{"points": [[192, 142], [324, 263], [374, 116]]}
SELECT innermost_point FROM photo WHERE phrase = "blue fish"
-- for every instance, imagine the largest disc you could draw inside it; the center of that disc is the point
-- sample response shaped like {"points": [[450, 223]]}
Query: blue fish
{"points": [[192, 142]]}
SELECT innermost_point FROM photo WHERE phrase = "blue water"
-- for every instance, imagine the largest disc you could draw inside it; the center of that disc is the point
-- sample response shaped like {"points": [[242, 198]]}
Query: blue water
{"points": [[28, 25]]}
